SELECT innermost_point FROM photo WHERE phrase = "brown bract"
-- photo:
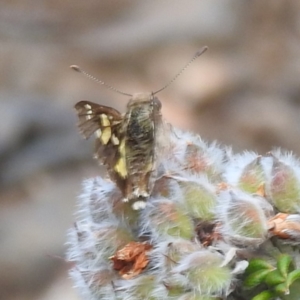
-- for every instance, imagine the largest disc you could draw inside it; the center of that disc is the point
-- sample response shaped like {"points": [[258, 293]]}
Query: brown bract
{"points": [[132, 259], [281, 226], [208, 233]]}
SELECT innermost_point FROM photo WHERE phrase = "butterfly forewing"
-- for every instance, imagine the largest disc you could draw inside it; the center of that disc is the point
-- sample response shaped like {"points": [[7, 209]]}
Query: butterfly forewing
{"points": [[104, 122], [93, 117]]}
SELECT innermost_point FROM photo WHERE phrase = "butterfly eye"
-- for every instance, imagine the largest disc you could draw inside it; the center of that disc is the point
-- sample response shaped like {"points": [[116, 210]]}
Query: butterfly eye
{"points": [[157, 103]]}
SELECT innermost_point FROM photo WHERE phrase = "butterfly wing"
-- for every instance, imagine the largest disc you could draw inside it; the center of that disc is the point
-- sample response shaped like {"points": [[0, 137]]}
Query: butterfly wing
{"points": [[105, 122], [93, 117]]}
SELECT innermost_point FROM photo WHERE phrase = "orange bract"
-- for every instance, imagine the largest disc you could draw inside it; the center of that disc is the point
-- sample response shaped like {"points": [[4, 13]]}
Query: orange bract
{"points": [[261, 191], [131, 260]]}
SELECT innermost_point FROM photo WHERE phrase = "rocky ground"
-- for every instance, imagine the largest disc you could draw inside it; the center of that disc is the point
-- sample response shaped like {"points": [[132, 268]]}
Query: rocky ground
{"points": [[244, 92]]}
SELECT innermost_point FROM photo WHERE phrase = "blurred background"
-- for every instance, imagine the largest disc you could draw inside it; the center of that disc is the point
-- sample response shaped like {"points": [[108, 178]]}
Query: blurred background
{"points": [[244, 92]]}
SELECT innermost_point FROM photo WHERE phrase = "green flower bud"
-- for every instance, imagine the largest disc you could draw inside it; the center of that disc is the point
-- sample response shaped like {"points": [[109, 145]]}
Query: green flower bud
{"points": [[285, 187]]}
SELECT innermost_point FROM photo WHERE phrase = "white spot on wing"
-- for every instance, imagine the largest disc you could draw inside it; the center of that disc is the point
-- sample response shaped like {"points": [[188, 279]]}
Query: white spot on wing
{"points": [[98, 133], [115, 140], [89, 111]]}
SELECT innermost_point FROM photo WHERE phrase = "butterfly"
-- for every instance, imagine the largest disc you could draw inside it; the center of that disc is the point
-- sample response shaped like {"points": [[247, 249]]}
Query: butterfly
{"points": [[126, 144]]}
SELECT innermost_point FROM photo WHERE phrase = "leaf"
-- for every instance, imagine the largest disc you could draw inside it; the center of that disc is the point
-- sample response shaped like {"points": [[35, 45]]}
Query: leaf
{"points": [[274, 278], [282, 289], [283, 264], [265, 295], [256, 278], [257, 264], [293, 276]]}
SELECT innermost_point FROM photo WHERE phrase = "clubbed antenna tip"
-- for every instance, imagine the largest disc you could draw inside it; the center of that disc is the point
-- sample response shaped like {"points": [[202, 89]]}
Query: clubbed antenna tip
{"points": [[201, 51], [75, 68]]}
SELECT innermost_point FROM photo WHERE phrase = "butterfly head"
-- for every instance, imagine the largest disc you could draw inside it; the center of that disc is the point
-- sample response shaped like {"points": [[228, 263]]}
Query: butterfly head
{"points": [[144, 100]]}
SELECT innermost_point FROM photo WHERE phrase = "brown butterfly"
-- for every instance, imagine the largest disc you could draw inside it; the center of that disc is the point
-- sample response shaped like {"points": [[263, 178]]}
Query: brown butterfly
{"points": [[128, 145], [125, 144]]}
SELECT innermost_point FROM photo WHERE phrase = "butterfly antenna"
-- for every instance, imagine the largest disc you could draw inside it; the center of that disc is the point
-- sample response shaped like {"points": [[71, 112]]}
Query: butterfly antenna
{"points": [[197, 54], [77, 69]]}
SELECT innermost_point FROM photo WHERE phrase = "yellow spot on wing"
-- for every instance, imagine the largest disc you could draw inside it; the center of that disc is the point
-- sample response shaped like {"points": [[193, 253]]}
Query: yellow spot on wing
{"points": [[120, 166], [105, 136], [104, 120]]}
